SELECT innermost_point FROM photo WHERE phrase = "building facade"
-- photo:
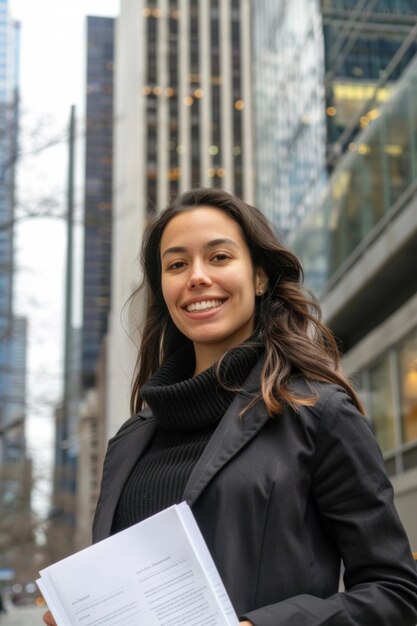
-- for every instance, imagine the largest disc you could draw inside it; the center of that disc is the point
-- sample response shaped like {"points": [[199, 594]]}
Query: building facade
{"points": [[8, 129], [367, 224], [62, 523], [289, 115], [15, 466], [98, 191], [367, 49], [358, 236], [183, 118], [13, 332]]}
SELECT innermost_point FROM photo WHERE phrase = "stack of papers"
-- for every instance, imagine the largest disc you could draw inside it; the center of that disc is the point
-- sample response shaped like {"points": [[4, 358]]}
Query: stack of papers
{"points": [[156, 573]]}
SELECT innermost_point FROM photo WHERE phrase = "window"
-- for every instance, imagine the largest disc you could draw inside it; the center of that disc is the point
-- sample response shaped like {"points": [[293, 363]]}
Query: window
{"points": [[407, 365], [381, 403]]}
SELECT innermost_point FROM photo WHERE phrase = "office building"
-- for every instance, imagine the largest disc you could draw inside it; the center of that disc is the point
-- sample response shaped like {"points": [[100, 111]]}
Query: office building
{"points": [[357, 238], [12, 329], [98, 191], [289, 117], [15, 466], [183, 118], [8, 129], [367, 47], [63, 514]]}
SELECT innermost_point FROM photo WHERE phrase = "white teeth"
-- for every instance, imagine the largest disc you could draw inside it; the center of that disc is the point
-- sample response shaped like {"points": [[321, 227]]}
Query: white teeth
{"points": [[204, 305]]}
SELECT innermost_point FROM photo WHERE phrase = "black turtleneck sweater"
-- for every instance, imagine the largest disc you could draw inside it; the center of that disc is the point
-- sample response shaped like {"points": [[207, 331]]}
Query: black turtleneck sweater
{"points": [[187, 410]]}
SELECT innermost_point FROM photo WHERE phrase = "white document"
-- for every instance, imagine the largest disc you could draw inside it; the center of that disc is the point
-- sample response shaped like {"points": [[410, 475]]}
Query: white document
{"points": [[156, 573]]}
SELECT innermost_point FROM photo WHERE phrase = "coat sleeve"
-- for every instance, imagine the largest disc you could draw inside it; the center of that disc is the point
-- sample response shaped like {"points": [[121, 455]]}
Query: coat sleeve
{"points": [[355, 500]]}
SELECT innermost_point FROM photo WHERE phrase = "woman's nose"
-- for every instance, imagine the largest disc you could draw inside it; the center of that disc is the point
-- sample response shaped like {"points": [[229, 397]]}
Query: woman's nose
{"points": [[199, 276]]}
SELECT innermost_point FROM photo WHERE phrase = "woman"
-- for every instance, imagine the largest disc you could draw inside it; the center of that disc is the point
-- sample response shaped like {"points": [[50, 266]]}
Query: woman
{"points": [[251, 421]]}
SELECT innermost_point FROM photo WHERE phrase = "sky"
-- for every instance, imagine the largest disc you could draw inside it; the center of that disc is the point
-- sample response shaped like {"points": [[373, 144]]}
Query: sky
{"points": [[52, 76]]}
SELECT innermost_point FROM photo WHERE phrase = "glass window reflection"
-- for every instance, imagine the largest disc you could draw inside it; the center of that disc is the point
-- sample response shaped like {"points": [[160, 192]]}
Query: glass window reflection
{"points": [[381, 403], [407, 358]]}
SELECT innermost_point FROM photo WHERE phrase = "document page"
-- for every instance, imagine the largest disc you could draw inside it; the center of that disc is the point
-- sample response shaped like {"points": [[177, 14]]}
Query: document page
{"points": [[156, 573]]}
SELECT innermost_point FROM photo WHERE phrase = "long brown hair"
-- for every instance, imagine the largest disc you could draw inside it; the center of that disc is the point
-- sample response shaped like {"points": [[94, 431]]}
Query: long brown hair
{"points": [[287, 316]]}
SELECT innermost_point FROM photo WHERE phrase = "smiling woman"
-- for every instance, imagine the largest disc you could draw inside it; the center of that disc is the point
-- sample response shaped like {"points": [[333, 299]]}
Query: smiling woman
{"points": [[209, 283], [242, 410]]}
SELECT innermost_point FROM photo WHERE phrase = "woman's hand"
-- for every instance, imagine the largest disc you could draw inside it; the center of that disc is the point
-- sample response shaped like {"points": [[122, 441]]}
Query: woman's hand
{"points": [[49, 620], [246, 623]]}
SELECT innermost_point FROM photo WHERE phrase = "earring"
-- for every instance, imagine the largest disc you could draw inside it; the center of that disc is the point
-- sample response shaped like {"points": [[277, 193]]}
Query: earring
{"points": [[260, 292]]}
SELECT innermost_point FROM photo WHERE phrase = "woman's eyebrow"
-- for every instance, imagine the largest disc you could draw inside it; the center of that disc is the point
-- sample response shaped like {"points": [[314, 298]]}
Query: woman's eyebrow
{"points": [[218, 242], [210, 244], [174, 250]]}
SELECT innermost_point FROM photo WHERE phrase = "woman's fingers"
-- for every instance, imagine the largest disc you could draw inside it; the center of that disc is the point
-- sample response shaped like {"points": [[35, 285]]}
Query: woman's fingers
{"points": [[48, 619]]}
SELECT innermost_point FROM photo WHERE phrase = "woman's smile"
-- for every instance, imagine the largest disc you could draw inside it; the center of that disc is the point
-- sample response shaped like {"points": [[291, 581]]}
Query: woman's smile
{"points": [[203, 305]]}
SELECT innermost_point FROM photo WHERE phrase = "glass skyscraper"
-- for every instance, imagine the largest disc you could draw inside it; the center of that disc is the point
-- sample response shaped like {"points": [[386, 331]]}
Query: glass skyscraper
{"points": [[290, 122], [367, 49], [6, 179], [356, 238], [98, 191], [12, 331], [15, 466]]}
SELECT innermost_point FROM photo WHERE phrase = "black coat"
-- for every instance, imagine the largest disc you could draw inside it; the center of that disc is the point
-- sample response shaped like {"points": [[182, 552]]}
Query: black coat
{"points": [[280, 501]]}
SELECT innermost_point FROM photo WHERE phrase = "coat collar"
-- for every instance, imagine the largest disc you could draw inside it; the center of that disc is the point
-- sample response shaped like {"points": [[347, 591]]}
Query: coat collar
{"points": [[231, 435]]}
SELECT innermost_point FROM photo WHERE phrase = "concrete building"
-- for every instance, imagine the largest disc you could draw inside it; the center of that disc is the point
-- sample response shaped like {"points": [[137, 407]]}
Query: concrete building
{"points": [[63, 514], [357, 233], [92, 444], [183, 118]]}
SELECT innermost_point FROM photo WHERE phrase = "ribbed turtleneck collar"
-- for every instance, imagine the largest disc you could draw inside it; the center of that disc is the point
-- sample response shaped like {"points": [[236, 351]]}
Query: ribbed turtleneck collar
{"points": [[179, 400]]}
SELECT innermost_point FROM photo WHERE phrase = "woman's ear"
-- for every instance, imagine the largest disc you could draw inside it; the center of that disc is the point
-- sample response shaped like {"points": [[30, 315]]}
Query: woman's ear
{"points": [[261, 281]]}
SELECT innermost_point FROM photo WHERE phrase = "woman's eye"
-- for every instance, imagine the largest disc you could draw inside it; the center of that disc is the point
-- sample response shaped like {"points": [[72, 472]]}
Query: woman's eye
{"points": [[176, 265], [220, 256]]}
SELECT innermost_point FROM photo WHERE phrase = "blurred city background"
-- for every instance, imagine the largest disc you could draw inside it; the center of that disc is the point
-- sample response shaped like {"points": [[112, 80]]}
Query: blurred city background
{"points": [[305, 108]]}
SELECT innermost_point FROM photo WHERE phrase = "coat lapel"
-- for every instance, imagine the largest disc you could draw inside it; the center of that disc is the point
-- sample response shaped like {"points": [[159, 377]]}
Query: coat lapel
{"points": [[231, 435], [117, 467]]}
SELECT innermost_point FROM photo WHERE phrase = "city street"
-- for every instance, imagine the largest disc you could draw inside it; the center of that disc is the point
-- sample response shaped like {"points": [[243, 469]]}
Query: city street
{"points": [[22, 616]]}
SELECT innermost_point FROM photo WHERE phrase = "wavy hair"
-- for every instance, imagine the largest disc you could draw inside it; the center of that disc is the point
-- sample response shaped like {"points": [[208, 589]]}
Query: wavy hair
{"points": [[287, 317]]}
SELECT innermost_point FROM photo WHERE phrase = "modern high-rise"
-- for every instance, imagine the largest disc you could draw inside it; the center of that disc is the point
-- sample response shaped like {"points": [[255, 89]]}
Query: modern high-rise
{"points": [[15, 466], [321, 69], [289, 115], [367, 47], [357, 238], [7, 133], [12, 329], [98, 191], [183, 118]]}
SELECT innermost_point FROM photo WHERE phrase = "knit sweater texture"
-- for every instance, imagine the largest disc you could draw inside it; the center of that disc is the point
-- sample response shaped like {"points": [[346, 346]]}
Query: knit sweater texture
{"points": [[187, 410]]}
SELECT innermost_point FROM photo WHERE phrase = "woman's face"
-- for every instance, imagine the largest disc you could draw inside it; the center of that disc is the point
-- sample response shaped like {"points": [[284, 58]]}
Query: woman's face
{"points": [[208, 281]]}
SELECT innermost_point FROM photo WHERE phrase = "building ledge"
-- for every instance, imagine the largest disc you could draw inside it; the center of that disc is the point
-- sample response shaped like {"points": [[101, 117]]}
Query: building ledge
{"points": [[380, 279]]}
